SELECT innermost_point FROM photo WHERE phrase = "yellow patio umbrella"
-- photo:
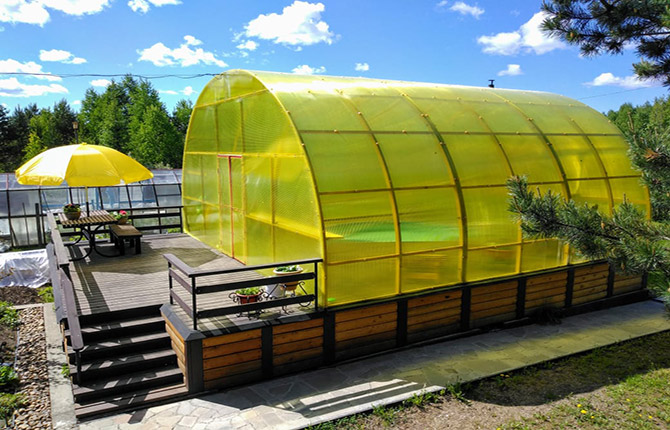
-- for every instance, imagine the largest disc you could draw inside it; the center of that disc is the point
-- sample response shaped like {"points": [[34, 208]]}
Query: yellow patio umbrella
{"points": [[81, 165]]}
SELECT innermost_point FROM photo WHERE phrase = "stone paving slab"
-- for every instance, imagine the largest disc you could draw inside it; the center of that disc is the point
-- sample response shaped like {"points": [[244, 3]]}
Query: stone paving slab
{"points": [[310, 398]]}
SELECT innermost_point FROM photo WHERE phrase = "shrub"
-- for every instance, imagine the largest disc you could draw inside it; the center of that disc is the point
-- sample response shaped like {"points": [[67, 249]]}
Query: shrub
{"points": [[46, 294], [8, 315], [8, 377], [9, 403]]}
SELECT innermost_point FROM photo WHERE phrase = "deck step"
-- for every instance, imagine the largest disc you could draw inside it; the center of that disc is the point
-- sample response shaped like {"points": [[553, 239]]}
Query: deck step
{"points": [[104, 317], [133, 400], [116, 329], [118, 366], [118, 385], [126, 345]]}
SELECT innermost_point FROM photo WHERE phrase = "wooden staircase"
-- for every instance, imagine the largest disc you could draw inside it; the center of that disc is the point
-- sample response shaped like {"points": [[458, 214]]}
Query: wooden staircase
{"points": [[127, 363]]}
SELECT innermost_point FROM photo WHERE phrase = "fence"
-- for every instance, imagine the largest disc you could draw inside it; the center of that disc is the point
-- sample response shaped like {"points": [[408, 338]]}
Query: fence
{"points": [[23, 207]]}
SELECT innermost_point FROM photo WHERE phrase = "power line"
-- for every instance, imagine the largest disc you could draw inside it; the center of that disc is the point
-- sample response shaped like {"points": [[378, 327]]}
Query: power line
{"points": [[616, 92], [117, 75]]}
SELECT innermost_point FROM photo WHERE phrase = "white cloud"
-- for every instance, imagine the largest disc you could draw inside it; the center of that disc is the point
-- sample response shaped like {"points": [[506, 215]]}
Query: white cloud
{"points": [[76, 103], [13, 88], [304, 69], [143, 6], [184, 56], [442, 4], [100, 83], [466, 9], [13, 66], [36, 11], [608, 79], [362, 67], [512, 70], [529, 37], [60, 56], [298, 24], [187, 91], [249, 45]]}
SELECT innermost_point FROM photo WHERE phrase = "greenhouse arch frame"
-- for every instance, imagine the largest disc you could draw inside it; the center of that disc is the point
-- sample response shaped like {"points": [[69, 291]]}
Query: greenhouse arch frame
{"points": [[398, 186]]}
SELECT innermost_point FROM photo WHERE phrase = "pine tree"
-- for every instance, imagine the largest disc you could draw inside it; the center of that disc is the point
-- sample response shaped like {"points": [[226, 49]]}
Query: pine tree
{"points": [[630, 242], [609, 26]]}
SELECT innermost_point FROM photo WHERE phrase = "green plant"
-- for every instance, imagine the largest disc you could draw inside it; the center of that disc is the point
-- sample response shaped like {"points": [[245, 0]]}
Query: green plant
{"points": [[8, 377], [71, 207], [387, 415], [9, 403], [46, 294], [8, 315], [423, 399], [251, 291], [288, 269], [119, 215], [456, 391], [65, 370]]}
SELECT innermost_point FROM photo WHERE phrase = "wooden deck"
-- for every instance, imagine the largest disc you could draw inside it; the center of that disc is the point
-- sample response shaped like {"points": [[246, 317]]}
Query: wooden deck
{"points": [[104, 284]]}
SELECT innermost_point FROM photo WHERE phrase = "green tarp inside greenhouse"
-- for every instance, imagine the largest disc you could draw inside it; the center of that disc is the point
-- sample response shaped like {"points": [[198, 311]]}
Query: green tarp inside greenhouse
{"points": [[398, 186]]}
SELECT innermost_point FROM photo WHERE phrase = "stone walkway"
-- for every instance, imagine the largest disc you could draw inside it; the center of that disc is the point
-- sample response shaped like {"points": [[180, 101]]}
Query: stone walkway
{"points": [[309, 398]]}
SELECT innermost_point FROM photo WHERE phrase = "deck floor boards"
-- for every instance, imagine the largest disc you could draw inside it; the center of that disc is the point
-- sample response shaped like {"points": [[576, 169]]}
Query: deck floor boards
{"points": [[104, 284]]}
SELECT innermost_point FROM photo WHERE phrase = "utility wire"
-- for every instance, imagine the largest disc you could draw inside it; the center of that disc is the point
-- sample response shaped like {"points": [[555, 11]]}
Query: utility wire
{"points": [[118, 75], [616, 92]]}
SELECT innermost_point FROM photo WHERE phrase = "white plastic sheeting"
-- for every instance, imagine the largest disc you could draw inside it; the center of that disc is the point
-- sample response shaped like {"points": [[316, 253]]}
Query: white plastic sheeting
{"points": [[25, 269]]}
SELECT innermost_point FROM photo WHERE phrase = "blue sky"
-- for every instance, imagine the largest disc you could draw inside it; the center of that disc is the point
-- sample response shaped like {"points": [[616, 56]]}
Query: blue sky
{"points": [[451, 42]]}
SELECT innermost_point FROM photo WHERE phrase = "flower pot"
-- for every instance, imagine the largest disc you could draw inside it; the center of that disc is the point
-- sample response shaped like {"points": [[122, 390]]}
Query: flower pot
{"points": [[289, 286], [122, 220], [72, 215], [244, 299]]}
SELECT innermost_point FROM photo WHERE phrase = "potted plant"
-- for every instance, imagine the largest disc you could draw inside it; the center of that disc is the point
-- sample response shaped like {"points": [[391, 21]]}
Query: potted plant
{"points": [[72, 211], [120, 216], [289, 270], [249, 295]]}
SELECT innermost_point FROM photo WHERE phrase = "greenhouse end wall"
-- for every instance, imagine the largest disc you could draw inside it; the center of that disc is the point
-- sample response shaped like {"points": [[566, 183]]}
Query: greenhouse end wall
{"points": [[398, 186]]}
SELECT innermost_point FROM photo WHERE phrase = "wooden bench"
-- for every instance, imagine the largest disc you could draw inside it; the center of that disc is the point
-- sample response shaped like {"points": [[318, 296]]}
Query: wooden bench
{"points": [[120, 232]]}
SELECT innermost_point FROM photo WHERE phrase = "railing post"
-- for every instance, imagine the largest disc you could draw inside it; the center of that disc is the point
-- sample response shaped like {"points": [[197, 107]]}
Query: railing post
{"points": [[195, 309], [77, 358], [170, 282], [316, 286]]}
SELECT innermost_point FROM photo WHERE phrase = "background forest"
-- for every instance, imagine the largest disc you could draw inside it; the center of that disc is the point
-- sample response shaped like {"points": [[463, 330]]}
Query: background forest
{"points": [[127, 116]]}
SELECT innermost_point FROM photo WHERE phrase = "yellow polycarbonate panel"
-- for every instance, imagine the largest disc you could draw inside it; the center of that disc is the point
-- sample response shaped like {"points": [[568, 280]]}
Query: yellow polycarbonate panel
{"points": [[294, 200], [633, 191], [228, 127], [358, 225], [550, 119], [345, 162], [341, 115], [478, 159], [591, 121], [593, 192], [491, 262], [499, 118], [402, 164], [543, 254], [489, 222], [353, 170], [613, 151], [391, 113], [577, 157], [267, 129], [355, 282], [429, 219], [530, 156], [435, 269], [451, 116]]}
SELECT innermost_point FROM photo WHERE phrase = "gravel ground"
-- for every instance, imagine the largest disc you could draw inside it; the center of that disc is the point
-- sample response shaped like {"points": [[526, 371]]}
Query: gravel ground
{"points": [[32, 369]]}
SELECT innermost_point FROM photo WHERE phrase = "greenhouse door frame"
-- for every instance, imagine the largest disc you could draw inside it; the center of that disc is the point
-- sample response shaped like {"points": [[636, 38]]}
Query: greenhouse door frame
{"points": [[231, 199]]}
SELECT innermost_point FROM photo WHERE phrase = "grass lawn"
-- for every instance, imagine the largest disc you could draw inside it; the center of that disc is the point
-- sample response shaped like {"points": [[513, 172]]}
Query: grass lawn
{"points": [[623, 386]]}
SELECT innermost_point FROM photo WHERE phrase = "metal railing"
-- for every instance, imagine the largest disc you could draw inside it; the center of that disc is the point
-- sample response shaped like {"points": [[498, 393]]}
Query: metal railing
{"points": [[187, 277]]}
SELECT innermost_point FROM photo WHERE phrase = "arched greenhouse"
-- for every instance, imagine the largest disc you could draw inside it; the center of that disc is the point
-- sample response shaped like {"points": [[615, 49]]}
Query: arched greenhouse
{"points": [[398, 186]]}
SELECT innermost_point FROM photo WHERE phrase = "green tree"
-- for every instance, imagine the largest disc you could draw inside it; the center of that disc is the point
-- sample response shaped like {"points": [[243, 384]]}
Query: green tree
{"points": [[156, 142], [626, 239], [181, 115], [609, 26], [16, 138]]}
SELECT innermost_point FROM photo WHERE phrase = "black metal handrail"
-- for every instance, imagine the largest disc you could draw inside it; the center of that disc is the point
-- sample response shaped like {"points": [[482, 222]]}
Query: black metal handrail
{"points": [[177, 266]]}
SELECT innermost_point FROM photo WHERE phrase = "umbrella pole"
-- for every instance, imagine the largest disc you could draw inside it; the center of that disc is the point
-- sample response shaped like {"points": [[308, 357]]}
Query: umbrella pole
{"points": [[87, 210]]}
